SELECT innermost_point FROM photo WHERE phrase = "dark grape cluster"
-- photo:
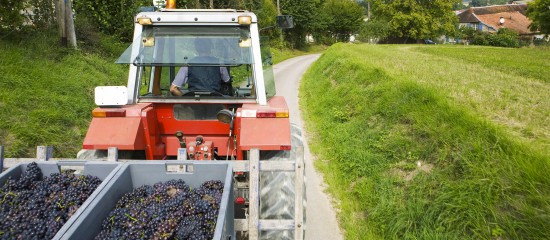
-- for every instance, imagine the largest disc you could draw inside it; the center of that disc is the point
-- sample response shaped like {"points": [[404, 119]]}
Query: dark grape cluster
{"points": [[33, 207], [169, 210]]}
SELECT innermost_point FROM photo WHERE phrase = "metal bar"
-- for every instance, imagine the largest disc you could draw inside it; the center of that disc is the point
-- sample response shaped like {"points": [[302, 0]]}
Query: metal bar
{"points": [[254, 195], [193, 100], [112, 154], [1, 158], [10, 162], [276, 224], [299, 195], [43, 153], [285, 166], [240, 224], [259, 78], [240, 165]]}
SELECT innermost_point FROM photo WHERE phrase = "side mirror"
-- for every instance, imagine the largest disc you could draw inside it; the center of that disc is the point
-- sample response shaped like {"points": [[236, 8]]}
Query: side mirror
{"points": [[285, 21]]}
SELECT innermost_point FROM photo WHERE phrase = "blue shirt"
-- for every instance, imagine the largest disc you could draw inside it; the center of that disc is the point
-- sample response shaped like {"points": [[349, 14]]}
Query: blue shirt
{"points": [[183, 75]]}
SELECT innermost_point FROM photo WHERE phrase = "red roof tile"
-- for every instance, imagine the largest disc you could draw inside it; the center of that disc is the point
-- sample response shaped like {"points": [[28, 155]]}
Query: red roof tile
{"points": [[514, 17], [512, 20]]}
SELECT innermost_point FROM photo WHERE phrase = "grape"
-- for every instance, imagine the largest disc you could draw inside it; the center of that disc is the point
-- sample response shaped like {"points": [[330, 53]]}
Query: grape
{"points": [[165, 210], [36, 207]]}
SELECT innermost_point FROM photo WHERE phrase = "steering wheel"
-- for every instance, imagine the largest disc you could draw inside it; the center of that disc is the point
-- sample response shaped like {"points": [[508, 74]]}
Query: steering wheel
{"points": [[202, 93]]}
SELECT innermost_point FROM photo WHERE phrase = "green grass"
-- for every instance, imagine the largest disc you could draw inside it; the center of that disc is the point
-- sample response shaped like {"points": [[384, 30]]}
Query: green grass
{"points": [[46, 95], [417, 143], [280, 55], [527, 62]]}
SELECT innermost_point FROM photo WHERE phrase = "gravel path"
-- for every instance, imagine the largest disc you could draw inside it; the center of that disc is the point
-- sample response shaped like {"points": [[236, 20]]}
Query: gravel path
{"points": [[321, 216]]}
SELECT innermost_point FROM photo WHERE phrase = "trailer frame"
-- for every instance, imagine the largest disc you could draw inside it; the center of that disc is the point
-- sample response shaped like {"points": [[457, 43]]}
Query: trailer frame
{"points": [[252, 224]]}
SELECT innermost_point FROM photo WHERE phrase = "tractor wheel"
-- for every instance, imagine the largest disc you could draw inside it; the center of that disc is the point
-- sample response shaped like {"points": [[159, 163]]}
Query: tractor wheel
{"points": [[277, 189]]}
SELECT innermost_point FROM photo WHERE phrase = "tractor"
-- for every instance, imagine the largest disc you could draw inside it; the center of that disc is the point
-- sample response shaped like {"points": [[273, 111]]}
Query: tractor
{"points": [[148, 120]]}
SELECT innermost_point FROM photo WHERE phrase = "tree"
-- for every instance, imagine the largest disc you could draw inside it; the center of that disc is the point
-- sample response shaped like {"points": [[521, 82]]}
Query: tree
{"points": [[459, 6], [482, 3], [539, 12], [479, 3], [416, 19], [304, 13], [111, 17], [373, 30], [267, 14], [344, 18], [10, 18]]}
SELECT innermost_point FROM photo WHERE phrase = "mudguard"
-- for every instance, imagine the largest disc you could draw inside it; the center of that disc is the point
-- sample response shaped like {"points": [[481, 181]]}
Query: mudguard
{"points": [[264, 133], [124, 133]]}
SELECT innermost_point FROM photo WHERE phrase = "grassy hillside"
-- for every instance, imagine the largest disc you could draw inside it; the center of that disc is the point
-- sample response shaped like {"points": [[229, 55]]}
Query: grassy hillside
{"points": [[433, 142], [46, 92]]}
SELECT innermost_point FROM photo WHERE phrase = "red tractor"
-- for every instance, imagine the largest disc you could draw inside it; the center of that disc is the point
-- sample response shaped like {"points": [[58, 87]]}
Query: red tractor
{"points": [[163, 110]]}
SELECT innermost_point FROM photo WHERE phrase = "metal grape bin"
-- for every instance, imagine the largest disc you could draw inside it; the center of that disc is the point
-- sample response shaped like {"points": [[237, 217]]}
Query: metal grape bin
{"points": [[103, 170], [136, 174]]}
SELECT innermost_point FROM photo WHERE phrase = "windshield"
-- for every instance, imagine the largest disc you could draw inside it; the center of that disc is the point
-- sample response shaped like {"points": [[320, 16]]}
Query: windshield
{"points": [[188, 45], [198, 62]]}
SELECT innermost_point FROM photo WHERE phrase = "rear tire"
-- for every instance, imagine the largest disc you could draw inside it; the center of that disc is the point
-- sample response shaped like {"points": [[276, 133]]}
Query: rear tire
{"points": [[277, 189]]}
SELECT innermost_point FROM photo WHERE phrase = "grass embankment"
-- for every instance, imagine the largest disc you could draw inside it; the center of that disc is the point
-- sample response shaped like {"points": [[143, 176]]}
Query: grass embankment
{"points": [[46, 92], [422, 142]]}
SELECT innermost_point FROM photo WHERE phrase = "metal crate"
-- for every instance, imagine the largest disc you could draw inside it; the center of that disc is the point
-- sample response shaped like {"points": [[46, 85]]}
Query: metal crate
{"points": [[135, 174], [103, 170]]}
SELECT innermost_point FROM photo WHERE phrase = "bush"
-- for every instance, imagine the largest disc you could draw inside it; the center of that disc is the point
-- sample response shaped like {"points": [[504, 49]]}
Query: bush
{"points": [[503, 38], [541, 42], [480, 39]]}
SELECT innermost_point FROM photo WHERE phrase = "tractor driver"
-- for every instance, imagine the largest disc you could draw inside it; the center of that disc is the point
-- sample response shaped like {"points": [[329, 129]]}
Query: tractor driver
{"points": [[205, 78]]}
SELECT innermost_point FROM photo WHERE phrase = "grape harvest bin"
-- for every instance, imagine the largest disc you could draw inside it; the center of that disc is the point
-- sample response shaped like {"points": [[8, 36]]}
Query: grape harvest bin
{"points": [[135, 174], [103, 170]]}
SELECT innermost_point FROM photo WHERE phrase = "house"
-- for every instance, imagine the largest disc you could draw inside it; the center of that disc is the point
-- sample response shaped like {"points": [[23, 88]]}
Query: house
{"points": [[492, 18]]}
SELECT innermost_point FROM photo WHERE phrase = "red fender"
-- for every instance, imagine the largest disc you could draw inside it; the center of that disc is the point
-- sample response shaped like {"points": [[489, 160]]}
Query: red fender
{"points": [[125, 132], [264, 133]]}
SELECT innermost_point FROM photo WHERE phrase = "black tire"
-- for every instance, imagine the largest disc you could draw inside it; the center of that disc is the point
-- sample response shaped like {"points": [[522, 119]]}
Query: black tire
{"points": [[277, 189]]}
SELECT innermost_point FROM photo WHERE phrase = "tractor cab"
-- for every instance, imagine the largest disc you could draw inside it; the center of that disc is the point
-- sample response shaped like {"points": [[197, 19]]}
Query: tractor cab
{"points": [[223, 56], [198, 79]]}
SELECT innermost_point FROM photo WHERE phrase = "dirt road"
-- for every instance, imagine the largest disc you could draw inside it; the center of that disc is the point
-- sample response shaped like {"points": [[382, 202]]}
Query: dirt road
{"points": [[321, 217]]}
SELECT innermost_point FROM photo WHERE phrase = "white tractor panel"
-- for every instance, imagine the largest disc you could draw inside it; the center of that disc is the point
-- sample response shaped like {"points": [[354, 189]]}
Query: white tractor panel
{"points": [[111, 96]]}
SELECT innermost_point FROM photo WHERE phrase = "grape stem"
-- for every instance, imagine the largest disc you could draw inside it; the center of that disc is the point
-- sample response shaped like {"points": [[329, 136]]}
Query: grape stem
{"points": [[130, 217]]}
